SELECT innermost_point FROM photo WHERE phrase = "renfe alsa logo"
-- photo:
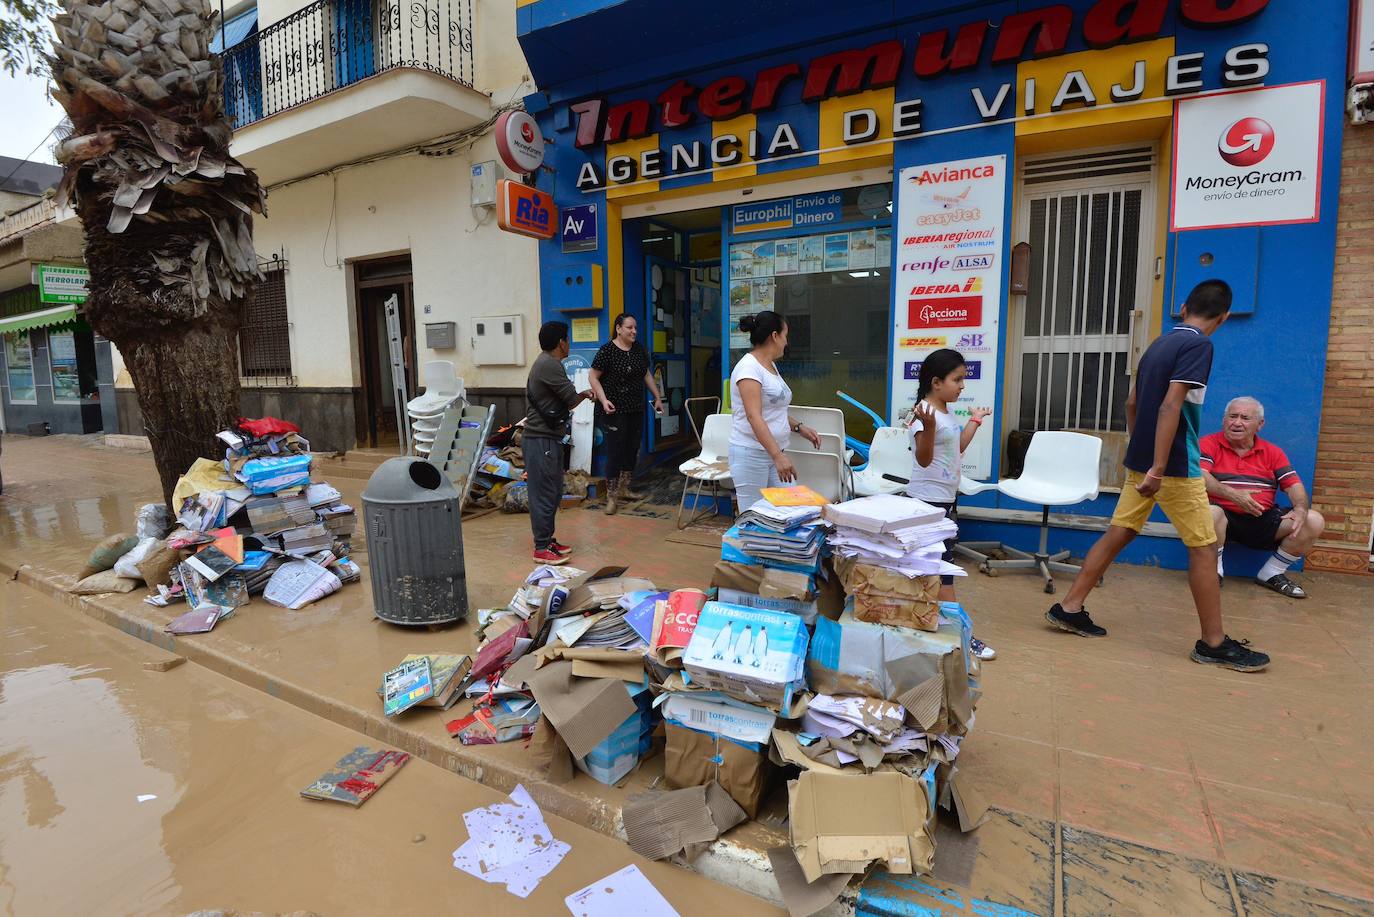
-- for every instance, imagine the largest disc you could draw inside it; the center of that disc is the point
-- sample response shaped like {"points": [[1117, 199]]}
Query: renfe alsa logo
{"points": [[946, 305], [1247, 142]]}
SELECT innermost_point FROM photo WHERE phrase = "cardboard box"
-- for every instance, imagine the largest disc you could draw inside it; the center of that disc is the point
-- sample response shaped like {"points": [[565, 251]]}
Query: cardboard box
{"points": [[692, 758], [842, 824], [923, 671], [883, 596], [616, 755], [742, 723], [753, 655]]}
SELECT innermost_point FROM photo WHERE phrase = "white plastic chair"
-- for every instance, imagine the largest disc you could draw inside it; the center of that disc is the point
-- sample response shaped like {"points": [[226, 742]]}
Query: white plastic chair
{"points": [[823, 472], [835, 446], [1061, 469], [712, 467], [442, 388], [889, 457]]}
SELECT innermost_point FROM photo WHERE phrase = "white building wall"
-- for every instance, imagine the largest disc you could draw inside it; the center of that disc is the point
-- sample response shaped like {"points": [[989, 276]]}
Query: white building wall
{"points": [[463, 266]]}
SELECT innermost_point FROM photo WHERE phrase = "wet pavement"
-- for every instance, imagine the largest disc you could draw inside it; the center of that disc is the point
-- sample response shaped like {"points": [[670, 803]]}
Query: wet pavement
{"points": [[127, 790], [1124, 776]]}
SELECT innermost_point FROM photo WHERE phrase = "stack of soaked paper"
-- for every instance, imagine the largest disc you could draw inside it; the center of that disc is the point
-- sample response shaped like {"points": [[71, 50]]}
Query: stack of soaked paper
{"points": [[447, 672], [298, 583]]}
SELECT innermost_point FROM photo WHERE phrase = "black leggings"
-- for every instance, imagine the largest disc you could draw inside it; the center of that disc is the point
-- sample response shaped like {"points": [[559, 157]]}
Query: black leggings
{"points": [[621, 433]]}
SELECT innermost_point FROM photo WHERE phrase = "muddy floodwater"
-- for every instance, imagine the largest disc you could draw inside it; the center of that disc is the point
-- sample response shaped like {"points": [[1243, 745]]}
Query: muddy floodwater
{"points": [[128, 790]]}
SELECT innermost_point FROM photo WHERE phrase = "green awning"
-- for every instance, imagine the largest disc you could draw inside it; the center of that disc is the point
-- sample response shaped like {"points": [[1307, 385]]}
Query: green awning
{"points": [[57, 315]]}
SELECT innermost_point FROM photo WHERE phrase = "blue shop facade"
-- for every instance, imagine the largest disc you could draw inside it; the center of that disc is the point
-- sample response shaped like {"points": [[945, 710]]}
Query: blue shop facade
{"points": [[1035, 185]]}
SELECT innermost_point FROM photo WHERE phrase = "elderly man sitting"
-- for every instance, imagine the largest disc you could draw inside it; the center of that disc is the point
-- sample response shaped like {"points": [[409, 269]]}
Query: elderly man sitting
{"points": [[1243, 474]]}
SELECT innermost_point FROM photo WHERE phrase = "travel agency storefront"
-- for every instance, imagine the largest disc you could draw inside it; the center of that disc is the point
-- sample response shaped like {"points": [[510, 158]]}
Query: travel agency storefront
{"points": [[1036, 186]]}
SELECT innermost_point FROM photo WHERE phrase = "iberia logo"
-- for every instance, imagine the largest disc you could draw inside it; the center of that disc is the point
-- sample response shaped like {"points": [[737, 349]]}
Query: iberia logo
{"points": [[1246, 142]]}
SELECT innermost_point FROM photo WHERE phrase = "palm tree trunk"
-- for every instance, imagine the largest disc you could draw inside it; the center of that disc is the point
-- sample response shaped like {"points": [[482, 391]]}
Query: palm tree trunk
{"points": [[187, 385]]}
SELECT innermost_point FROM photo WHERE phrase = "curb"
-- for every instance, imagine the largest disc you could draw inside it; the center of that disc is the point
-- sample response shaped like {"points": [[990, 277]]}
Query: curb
{"points": [[726, 862]]}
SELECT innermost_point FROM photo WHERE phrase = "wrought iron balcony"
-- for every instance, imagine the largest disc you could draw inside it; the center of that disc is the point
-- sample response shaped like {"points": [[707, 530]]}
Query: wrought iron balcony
{"points": [[333, 44]]}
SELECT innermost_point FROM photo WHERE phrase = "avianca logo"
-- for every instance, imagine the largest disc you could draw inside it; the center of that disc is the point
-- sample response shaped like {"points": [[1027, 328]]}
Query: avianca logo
{"points": [[928, 177]]}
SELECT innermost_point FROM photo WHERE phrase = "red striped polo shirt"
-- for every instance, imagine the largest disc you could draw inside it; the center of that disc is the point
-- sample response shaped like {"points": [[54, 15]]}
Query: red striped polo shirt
{"points": [[1261, 472]]}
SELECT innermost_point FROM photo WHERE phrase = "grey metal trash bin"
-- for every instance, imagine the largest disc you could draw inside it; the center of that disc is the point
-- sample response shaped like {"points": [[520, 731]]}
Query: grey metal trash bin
{"points": [[415, 544]]}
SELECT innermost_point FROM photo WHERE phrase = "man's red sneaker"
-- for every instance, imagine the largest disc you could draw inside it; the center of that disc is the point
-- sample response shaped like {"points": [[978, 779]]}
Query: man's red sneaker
{"points": [[559, 547], [550, 557]]}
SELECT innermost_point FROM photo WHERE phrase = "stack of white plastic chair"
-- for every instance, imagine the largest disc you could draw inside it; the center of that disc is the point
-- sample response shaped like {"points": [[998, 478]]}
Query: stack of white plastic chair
{"points": [[443, 389]]}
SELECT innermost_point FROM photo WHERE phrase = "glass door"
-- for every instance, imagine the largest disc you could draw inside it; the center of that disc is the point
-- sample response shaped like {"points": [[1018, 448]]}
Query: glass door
{"points": [[667, 294]]}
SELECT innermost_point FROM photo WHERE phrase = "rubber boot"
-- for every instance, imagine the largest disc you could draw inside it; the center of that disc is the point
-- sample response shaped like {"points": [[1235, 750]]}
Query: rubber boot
{"points": [[612, 496], [625, 492]]}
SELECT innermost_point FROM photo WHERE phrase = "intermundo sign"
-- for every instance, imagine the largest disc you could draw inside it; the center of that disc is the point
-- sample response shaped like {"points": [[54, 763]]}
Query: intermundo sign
{"points": [[1035, 33]]}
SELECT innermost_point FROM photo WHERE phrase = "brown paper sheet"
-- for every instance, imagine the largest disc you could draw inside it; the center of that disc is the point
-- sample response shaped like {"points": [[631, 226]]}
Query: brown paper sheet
{"points": [[549, 753]]}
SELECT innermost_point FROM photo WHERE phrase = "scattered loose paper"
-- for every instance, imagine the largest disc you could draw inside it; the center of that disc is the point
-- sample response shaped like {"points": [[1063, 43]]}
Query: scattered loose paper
{"points": [[146, 797], [509, 844], [627, 893]]}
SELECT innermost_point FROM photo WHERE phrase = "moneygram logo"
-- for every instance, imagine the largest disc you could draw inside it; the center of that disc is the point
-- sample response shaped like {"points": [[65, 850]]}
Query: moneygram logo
{"points": [[1247, 142]]}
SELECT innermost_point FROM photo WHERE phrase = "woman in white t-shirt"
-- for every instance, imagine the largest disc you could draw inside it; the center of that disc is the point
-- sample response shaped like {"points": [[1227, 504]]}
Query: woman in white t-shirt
{"points": [[762, 431], [938, 444]]}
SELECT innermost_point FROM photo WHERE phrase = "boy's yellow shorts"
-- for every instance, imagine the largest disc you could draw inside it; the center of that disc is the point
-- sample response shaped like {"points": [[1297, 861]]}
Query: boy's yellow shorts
{"points": [[1184, 501]]}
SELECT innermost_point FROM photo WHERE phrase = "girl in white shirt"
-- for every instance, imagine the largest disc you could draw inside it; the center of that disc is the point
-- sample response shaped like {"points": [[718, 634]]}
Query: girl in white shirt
{"points": [[759, 398], [938, 447]]}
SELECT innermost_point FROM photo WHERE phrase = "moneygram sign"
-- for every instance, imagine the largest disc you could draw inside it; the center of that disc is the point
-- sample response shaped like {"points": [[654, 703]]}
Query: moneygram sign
{"points": [[1251, 157]]}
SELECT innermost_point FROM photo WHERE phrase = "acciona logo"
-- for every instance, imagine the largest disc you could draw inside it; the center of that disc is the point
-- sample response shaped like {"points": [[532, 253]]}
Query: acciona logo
{"points": [[1246, 142]]}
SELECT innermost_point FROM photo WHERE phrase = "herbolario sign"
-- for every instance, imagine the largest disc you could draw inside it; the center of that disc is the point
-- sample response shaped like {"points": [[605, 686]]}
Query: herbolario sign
{"points": [[1035, 33]]}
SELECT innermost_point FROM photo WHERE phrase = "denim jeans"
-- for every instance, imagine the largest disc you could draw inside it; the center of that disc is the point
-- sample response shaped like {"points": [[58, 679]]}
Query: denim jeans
{"points": [[752, 470]]}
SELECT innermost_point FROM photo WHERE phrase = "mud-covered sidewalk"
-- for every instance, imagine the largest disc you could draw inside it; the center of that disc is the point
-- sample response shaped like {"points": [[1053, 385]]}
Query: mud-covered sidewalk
{"points": [[1122, 775]]}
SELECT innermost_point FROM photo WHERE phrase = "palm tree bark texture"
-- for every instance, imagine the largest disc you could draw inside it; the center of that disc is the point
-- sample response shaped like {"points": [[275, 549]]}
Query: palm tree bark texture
{"points": [[167, 212]]}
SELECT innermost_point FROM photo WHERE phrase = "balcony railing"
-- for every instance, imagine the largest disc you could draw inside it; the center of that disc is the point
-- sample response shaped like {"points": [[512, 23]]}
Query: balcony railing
{"points": [[332, 44]]}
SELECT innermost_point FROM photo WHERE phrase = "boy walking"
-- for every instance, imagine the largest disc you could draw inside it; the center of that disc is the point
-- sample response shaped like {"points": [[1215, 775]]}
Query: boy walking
{"points": [[1163, 414], [551, 398]]}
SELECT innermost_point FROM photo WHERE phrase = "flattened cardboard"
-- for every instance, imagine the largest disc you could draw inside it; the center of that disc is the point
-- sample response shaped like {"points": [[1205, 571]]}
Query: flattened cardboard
{"points": [[658, 825], [549, 753], [801, 897], [597, 661], [692, 758], [843, 824], [583, 710]]}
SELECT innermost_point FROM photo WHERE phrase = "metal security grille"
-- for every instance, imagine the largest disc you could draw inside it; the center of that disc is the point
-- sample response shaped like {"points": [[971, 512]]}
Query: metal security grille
{"points": [[265, 334], [1086, 223]]}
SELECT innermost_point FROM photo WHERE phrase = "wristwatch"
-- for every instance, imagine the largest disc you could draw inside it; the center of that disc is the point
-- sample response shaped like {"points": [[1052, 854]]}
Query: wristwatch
{"points": [[796, 427]]}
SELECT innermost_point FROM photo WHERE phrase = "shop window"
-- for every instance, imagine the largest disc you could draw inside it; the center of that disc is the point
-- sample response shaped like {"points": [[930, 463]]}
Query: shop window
{"points": [[265, 334], [19, 368], [66, 378], [834, 289]]}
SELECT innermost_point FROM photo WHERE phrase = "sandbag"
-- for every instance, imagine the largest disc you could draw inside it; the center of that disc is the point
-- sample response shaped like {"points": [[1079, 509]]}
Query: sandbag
{"points": [[128, 564], [104, 555], [103, 582]]}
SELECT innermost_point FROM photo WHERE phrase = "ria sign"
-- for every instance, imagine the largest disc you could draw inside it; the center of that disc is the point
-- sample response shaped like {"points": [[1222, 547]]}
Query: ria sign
{"points": [[1246, 142]]}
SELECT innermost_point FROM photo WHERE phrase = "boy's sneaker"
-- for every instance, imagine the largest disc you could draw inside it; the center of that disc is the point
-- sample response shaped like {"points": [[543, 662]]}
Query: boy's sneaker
{"points": [[1076, 622], [1232, 654], [549, 556], [559, 547], [981, 649]]}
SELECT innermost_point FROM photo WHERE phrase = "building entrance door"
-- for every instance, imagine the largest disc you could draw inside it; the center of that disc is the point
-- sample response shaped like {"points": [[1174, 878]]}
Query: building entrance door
{"points": [[376, 282], [1078, 332]]}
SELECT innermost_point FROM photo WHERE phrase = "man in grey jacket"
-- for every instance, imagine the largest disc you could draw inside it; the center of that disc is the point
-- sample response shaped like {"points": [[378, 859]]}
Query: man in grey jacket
{"points": [[551, 396]]}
